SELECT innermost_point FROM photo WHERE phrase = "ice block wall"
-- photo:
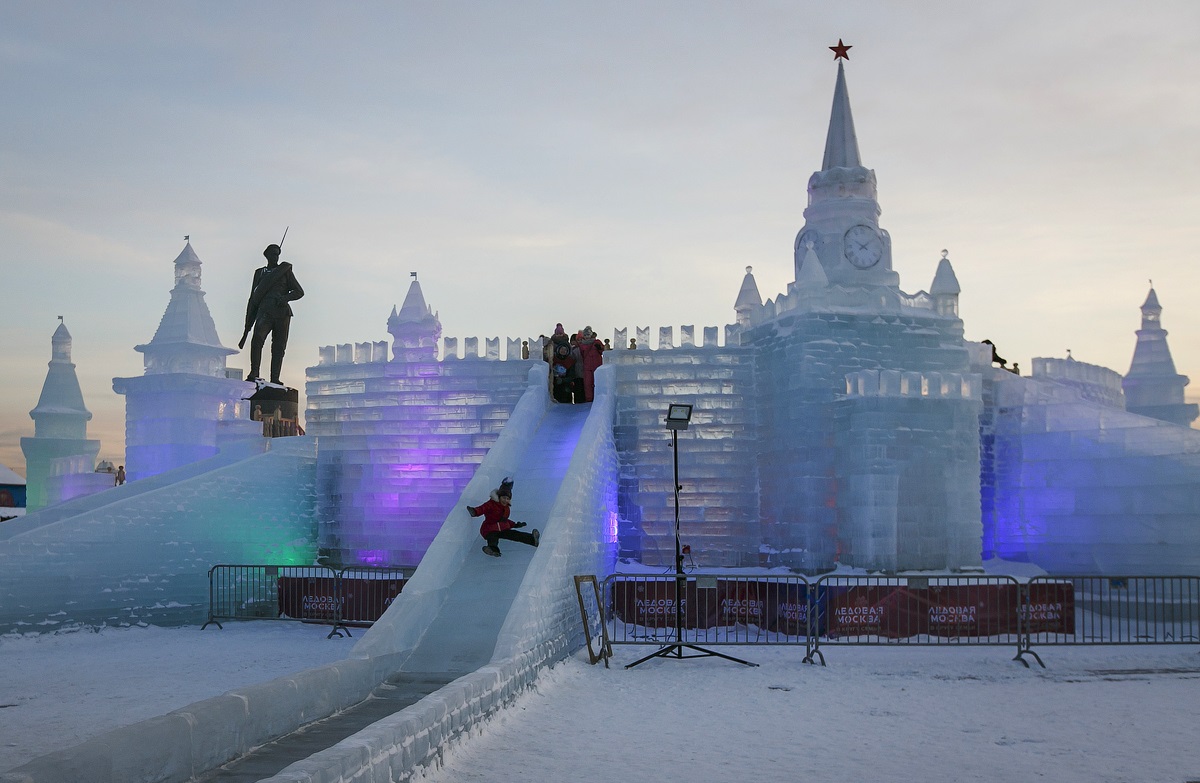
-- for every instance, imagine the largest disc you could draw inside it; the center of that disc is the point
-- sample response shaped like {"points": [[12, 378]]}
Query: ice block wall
{"points": [[801, 363], [399, 440], [719, 501], [907, 469], [1084, 487], [141, 552]]}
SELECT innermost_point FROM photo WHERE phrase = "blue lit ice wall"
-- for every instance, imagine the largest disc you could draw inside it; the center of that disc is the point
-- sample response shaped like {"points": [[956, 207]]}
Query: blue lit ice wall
{"points": [[1085, 487], [141, 552], [719, 502], [399, 441]]}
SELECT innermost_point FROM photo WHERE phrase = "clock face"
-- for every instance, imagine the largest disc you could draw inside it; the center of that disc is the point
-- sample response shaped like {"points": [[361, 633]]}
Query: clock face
{"points": [[804, 238], [862, 246]]}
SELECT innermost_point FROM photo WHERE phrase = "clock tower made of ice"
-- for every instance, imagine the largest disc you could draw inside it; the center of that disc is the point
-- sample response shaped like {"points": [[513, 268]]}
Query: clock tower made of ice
{"points": [[841, 222]]}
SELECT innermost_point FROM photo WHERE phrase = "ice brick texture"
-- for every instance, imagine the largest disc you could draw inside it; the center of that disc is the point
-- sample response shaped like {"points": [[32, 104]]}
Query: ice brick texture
{"points": [[141, 552]]}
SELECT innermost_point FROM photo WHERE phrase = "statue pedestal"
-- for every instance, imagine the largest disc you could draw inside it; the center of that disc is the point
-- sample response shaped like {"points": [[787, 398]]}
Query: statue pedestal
{"points": [[278, 409]]}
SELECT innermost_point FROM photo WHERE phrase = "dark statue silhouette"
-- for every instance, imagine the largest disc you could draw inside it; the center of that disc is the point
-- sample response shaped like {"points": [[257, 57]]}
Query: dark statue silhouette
{"points": [[269, 312]]}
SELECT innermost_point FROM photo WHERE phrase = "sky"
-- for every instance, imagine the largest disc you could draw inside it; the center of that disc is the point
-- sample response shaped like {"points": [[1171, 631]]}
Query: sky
{"points": [[901, 713], [612, 164]]}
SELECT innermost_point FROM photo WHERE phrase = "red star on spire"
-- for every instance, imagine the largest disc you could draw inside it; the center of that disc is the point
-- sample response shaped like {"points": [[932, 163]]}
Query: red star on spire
{"points": [[841, 51]]}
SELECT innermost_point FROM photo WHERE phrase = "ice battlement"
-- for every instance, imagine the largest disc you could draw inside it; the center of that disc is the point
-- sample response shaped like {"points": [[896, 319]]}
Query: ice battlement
{"points": [[1095, 383], [514, 349], [895, 383]]}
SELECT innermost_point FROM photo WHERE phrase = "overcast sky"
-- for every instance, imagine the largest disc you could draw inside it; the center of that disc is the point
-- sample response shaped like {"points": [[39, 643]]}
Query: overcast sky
{"points": [[614, 164]]}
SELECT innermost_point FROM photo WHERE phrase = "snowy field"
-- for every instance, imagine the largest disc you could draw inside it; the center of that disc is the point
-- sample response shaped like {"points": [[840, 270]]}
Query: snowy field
{"points": [[895, 714], [58, 690]]}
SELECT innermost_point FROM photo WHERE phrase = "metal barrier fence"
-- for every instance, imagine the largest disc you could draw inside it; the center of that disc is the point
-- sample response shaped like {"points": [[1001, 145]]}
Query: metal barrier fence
{"points": [[947, 610], [312, 594], [1123, 610], [717, 610]]}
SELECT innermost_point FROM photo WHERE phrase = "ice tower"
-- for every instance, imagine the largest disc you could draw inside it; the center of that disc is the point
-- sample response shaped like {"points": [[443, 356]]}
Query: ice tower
{"points": [[1152, 387], [60, 424], [184, 406], [867, 409]]}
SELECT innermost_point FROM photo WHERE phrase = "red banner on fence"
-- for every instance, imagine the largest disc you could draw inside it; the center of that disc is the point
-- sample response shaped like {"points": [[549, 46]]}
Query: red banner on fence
{"points": [[893, 611], [319, 598]]}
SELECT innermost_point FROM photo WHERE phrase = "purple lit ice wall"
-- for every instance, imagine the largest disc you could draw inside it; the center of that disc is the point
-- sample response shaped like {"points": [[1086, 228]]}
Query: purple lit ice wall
{"points": [[399, 440], [1085, 487]]}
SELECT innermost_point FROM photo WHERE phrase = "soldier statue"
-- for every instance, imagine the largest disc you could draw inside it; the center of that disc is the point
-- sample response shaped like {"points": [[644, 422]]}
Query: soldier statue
{"points": [[268, 312]]}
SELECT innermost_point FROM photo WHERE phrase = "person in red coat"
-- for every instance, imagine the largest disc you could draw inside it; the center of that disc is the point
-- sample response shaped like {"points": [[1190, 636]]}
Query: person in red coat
{"points": [[496, 524], [590, 350]]}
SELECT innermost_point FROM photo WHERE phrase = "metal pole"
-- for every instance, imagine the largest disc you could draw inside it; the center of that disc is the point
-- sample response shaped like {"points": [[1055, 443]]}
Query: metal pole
{"points": [[680, 579]]}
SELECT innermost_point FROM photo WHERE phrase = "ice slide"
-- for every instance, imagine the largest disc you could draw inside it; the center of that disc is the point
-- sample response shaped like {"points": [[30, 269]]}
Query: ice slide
{"points": [[462, 636], [506, 617], [469, 630]]}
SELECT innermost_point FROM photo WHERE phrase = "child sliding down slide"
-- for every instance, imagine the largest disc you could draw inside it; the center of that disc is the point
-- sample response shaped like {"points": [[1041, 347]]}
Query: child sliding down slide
{"points": [[496, 524]]}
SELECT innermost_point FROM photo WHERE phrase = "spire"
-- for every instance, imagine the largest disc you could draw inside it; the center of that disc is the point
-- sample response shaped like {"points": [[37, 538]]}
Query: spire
{"points": [[945, 288], [414, 307], [1152, 386], [944, 279], [1151, 310], [748, 295], [186, 339], [60, 412], [748, 298], [841, 143], [415, 327]]}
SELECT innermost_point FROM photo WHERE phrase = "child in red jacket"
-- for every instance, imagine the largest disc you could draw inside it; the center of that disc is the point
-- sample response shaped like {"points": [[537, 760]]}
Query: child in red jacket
{"points": [[496, 524]]}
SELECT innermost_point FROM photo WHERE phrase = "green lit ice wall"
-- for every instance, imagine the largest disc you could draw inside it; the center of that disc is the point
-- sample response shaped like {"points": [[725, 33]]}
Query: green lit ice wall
{"points": [[141, 552]]}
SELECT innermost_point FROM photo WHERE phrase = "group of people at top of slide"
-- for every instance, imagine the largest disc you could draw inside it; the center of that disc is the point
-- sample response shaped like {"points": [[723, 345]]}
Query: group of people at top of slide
{"points": [[573, 361]]}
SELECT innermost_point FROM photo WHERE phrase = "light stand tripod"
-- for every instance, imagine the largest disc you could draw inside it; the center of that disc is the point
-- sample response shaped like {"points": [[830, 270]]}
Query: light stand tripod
{"points": [[678, 417]]}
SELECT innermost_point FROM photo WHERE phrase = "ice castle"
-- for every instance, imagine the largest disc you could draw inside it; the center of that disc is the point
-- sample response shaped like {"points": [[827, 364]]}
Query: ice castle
{"points": [[844, 421], [841, 422]]}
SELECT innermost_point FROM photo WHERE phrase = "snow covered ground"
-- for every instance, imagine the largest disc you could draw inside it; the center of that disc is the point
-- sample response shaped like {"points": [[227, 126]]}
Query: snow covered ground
{"points": [[57, 690], [895, 714]]}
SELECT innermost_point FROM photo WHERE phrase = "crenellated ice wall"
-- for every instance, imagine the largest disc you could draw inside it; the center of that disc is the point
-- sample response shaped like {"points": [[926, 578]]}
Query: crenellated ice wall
{"points": [[718, 515], [399, 440], [1081, 486], [907, 466]]}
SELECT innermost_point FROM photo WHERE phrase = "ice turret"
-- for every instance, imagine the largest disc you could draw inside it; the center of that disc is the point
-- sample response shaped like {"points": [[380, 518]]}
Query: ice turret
{"points": [[1152, 386], [184, 406], [748, 298], [415, 327], [812, 286], [945, 288], [186, 339], [60, 423]]}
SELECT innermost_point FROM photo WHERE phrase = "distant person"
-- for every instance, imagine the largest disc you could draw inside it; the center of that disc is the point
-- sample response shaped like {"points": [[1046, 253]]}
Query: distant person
{"points": [[591, 352], [496, 524], [632, 344], [576, 373], [268, 312], [524, 349], [996, 357], [120, 475], [562, 365], [607, 345]]}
